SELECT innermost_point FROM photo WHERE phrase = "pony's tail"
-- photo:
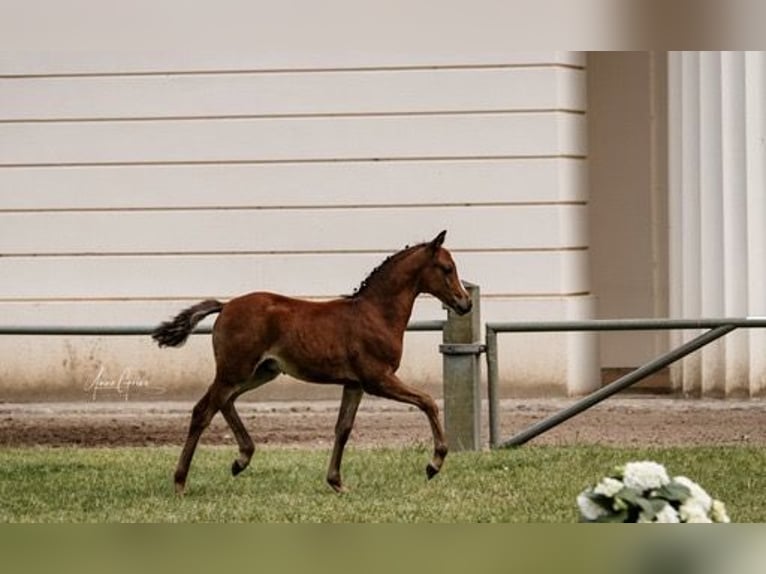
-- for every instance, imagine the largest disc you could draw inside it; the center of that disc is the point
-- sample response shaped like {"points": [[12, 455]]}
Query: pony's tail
{"points": [[174, 333]]}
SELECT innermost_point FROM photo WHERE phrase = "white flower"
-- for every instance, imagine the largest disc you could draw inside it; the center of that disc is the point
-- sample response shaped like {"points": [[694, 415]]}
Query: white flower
{"points": [[693, 513], [639, 488], [645, 475], [667, 515], [718, 512], [698, 494], [608, 487], [589, 509]]}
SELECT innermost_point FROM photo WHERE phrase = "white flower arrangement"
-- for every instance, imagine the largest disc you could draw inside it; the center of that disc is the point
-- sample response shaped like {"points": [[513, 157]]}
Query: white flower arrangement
{"points": [[644, 492]]}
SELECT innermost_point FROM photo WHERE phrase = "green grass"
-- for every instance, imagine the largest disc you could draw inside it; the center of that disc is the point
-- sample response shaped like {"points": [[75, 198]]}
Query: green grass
{"points": [[531, 484]]}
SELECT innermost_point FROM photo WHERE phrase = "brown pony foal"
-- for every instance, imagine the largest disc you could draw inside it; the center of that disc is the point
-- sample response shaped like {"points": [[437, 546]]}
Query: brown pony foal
{"points": [[354, 341]]}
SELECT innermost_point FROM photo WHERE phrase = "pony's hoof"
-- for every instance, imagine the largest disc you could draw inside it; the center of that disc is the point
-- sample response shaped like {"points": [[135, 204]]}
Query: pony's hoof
{"points": [[337, 487], [237, 467], [180, 488], [431, 471]]}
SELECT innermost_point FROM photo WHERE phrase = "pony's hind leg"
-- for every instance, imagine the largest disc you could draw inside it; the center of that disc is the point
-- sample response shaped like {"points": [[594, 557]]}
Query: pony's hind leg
{"points": [[352, 395], [202, 414], [264, 372], [246, 445]]}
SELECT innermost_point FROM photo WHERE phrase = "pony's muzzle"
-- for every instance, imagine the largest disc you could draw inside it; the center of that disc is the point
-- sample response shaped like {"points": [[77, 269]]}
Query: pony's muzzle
{"points": [[462, 306]]}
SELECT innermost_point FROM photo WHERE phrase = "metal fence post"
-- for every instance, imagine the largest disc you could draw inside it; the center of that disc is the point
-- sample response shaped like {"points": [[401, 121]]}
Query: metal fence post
{"points": [[462, 389], [492, 387]]}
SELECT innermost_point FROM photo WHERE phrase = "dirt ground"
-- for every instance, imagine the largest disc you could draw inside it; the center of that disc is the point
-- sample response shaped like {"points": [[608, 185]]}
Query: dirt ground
{"points": [[620, 421]]}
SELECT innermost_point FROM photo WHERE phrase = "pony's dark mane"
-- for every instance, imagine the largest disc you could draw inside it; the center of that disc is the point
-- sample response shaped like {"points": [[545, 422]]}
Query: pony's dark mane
{"points": [[381, 269]]}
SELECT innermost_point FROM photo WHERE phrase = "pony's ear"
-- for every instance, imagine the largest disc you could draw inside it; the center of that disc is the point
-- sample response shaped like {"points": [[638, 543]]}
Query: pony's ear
{"points": [[438, 241]]}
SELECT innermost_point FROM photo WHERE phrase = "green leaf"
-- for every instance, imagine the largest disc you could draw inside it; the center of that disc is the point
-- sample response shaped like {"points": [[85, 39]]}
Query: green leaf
{"points": [[603, 501], [672, 492], [613, 517], [649, 509], [629, 495]]}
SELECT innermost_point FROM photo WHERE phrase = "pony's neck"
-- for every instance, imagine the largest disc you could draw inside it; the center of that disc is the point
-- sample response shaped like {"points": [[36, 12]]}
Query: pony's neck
{"points": [[394, 291]]}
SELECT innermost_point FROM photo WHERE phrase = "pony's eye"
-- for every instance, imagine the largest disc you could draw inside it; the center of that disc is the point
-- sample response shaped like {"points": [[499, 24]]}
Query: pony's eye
{"points": [[448, 269]]}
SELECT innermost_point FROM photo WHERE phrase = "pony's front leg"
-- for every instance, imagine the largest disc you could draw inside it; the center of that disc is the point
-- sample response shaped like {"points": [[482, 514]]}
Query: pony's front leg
{"points": [[392, 388], [352, 395]]}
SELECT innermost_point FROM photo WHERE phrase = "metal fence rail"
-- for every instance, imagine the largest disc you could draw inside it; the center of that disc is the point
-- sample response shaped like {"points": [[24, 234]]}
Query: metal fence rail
{"points": [[717, 328], [141, 330]]}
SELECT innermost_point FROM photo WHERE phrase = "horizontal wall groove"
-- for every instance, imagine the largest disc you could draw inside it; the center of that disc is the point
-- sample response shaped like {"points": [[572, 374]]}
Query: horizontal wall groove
{"points": [[290, 161], [496, 296], [137, 299], [226, 296], [282, 116], [307, 207], [267, 71], [274, 253]]}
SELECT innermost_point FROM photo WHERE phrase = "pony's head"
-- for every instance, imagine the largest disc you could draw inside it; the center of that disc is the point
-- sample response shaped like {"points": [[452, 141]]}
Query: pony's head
{"points": [[439, 277]]}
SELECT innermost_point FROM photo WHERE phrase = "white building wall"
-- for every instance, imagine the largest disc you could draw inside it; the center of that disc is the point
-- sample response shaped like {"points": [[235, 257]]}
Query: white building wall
{"points": [[717, 211], [131, 187]]}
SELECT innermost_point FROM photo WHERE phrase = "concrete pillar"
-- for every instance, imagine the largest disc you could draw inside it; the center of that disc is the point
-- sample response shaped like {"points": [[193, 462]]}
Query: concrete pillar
{"points": [[734, 191], [691, 261], [711, 216], [675, 206], [583, 372], [755, 97]]}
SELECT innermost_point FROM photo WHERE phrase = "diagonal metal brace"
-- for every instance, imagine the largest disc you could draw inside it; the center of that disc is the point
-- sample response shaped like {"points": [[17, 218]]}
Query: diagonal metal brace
{"points": [[620, 384]]}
